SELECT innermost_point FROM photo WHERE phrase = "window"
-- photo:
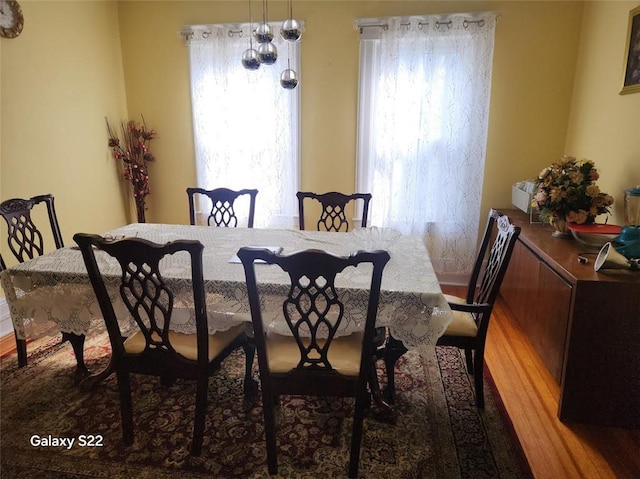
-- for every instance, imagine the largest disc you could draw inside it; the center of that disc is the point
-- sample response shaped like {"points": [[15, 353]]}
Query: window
{"points": [[422, 128], [246, 126]]}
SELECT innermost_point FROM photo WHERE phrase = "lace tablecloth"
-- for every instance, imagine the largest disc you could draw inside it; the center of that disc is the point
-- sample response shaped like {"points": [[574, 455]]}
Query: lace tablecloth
{"points": [[52, 293]]}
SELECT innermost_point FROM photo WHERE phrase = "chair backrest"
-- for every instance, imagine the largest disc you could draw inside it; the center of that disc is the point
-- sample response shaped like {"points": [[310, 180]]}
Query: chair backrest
{"points": [[496, 262], [148, 297], [313, 309], [333, 217], [24, 238], [222, 205]]}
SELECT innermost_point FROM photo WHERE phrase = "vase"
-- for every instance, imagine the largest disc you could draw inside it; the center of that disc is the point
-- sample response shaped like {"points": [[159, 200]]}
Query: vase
{"points": [[561, 228], [140, 210]]}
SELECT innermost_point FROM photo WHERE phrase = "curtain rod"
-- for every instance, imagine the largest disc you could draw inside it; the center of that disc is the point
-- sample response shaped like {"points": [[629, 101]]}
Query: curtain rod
{"points": [[204, 31], [380, 23]]}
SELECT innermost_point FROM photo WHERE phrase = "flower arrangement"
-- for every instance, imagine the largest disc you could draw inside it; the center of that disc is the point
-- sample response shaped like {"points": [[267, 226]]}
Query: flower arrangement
{"points": [[566, 191], [133, 151]]}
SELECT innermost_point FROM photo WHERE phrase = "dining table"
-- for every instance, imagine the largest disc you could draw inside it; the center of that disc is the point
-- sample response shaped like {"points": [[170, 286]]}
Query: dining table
{"points": [[52, 293]]}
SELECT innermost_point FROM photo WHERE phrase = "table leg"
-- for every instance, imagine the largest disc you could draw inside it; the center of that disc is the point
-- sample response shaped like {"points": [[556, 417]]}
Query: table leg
{"points": [[384, 408], [393, 350], [77, 343], [21, 347]]}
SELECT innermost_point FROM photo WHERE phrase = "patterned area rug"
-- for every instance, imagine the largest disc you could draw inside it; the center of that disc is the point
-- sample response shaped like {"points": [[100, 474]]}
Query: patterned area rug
{"points": [[438, 432]]}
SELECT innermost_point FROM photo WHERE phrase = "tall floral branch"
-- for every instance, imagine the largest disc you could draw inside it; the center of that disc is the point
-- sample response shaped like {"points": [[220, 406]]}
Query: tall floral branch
{"points": [[132, 150]]}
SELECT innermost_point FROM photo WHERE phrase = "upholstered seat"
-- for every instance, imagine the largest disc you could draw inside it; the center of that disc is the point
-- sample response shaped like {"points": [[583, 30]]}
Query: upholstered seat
{"points": [[462, 323], [283, 354], [186, 345]]}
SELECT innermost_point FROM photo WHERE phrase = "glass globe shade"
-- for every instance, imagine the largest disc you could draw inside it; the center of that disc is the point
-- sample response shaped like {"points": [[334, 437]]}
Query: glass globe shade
{"points": [[291, 30], [267, 53], [263, 33], [250, 59], [289, 79]]}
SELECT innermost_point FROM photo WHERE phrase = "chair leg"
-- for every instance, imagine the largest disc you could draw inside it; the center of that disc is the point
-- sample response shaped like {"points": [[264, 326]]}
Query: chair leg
{"points": [[126, 407], [268, 408], [356, 434], [468, 354], [200, 416], [478, 377], [21, 348], [250, 384]]}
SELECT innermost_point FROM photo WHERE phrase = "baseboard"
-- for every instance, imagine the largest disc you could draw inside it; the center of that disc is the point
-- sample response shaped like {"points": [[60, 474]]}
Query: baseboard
{"points": [[453, 279], [7, 344], [7, 339]]}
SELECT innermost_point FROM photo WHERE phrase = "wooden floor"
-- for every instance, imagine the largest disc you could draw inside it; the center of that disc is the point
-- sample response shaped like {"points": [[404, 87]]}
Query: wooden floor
{"points": [[554, 450]]}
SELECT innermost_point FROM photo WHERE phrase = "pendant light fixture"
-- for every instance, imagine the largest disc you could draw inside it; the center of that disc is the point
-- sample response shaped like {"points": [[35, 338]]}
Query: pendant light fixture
{"points": [[250, 58], [291, 29], [263, 33], [289, 78], [267, 51]]}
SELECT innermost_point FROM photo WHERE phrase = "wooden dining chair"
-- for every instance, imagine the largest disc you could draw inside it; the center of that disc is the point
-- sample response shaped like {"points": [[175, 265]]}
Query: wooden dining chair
{"points": [[23, 236], [471, 315], [311, 359], [333, 217], [26, 241], [222, 205], [153, 348]]}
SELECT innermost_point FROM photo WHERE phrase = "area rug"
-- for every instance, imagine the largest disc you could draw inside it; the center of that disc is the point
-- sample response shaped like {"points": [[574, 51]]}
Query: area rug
{"points": [[436, 432]]}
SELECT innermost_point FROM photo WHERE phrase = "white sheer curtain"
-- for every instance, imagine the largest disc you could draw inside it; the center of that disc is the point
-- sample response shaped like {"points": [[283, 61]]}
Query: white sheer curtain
{"points": [[423, 114], [246, 126]]}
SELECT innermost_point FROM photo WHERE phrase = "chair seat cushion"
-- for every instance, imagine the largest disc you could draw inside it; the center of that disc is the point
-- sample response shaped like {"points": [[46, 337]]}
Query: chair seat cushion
{"points": [[283, 353], [186, 344], [462, 323]]}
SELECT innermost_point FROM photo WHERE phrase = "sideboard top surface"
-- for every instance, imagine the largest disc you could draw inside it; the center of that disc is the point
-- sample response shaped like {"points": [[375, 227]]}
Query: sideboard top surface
{"points": [[561, 254]]}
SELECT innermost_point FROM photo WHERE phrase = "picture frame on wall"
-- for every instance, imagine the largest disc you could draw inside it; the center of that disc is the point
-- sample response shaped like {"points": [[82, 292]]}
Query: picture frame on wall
{"points": [[631, 82]]}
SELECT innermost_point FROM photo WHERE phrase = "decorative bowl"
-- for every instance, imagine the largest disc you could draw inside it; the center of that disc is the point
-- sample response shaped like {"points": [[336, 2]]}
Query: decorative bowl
{"points": [[594, 235]]}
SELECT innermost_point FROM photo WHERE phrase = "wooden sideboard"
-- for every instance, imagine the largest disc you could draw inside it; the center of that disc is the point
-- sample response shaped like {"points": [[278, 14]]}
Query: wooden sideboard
{"points": [[585, 325]]}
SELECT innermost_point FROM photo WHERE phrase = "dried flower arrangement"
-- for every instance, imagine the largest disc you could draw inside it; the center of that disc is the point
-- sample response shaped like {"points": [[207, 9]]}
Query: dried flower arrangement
{"points": [[132, 150], [566, 192]]}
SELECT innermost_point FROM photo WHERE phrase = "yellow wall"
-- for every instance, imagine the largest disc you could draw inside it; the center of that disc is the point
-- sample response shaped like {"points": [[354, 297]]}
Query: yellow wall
{"points": [[605, 126], [59, 79], [75, 61], [535, 53]]}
